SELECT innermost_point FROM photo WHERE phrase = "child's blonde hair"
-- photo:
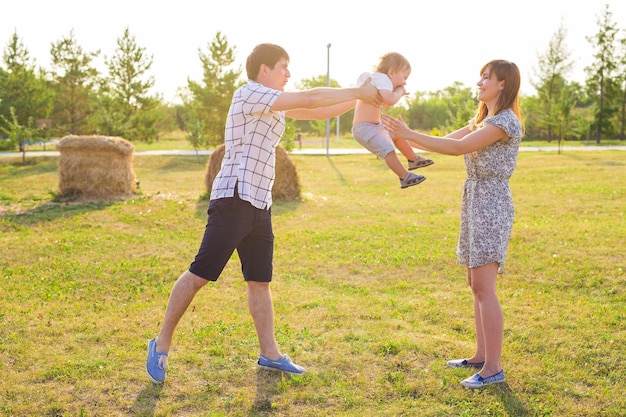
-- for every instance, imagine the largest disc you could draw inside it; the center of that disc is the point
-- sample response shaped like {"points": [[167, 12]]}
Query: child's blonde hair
{"points": [[392, 60]]}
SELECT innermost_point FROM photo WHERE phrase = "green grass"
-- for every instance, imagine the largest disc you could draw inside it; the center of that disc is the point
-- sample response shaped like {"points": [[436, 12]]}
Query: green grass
{"points": [[366, 290], [177, 140]]}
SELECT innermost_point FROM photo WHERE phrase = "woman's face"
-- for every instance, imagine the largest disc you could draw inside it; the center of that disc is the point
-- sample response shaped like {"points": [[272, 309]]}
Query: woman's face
{"points": [[489, 87]]}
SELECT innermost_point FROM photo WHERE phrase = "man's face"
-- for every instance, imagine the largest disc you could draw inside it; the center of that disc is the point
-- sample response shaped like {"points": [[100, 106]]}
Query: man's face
{"points": [[276, 77]]}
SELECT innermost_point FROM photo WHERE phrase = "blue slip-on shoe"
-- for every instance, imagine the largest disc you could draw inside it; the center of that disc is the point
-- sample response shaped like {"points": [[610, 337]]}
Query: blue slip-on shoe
{"points": [[283, 364], [156, 365], [477, 381], [463, 363]]}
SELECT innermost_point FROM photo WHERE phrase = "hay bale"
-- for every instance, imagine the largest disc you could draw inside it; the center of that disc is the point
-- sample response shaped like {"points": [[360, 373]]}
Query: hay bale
{"points": [[96, 167], [286, 185]]}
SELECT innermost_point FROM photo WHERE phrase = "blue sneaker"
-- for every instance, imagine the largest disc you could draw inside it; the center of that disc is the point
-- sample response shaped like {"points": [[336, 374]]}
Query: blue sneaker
{"points": [[283, 364], [477, 381], [156, 365]]}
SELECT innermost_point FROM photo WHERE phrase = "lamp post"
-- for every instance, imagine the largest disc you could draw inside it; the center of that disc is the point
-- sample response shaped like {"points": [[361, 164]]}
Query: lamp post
{"points": [[327, 85]]}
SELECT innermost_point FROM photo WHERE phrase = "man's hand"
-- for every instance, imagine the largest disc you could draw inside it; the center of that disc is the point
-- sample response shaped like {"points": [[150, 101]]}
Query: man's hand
{"points": [[369, 93]]}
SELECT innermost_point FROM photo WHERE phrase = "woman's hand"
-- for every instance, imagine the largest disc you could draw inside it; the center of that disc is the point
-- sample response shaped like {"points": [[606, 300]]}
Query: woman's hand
{"points": [[396, 127]]}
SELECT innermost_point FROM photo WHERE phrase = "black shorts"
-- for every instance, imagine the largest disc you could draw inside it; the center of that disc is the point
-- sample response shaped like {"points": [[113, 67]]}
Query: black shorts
{"points": [[236, 224]]}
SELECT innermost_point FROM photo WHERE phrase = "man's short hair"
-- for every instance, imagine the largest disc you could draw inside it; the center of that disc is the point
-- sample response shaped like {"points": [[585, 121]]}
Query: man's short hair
{"points": [[265, 53]]}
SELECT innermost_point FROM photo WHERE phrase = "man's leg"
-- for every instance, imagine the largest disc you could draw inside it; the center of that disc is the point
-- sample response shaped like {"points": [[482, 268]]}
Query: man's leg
{"points": [[262, 311], [182, 294]]}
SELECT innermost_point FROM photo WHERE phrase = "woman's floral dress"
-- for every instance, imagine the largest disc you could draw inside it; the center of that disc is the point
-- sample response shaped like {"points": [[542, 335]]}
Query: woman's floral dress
{"points": [[487, 206]]}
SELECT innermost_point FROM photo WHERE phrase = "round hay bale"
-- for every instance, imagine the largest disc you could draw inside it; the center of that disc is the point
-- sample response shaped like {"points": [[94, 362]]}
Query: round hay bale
{"points": [[286, 185], [96, 167]]}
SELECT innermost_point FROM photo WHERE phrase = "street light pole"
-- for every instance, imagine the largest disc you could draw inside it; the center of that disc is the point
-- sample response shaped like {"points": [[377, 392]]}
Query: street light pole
{"points": [[327, 85]]}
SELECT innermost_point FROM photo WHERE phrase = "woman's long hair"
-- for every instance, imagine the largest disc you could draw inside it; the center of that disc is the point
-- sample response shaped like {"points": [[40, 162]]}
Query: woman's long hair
{"points": [[508, 72]]}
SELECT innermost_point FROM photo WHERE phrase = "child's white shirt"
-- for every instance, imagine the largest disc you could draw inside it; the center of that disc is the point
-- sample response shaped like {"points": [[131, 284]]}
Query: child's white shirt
{"points": [[379, 80]]}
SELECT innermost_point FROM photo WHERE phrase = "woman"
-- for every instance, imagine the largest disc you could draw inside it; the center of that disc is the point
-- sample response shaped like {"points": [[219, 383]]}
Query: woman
{"points": [[490, 143]]}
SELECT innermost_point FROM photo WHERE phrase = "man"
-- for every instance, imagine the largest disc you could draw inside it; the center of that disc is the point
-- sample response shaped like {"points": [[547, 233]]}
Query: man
{"points": [[241, 198]]}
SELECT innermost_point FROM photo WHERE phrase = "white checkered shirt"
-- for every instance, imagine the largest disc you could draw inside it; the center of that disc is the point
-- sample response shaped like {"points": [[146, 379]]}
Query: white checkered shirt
{"points": [[251, 136]]}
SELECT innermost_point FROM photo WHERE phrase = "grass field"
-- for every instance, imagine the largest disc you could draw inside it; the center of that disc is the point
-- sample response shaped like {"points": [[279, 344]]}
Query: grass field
{"points": [[366, 290], [177, 140]]}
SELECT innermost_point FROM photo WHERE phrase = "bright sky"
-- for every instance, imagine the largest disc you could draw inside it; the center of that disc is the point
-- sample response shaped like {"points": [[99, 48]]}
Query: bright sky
{"points": [[445, 40]]}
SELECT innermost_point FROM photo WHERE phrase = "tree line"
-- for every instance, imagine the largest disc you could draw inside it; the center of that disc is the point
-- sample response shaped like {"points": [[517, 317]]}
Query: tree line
{"points": [[73, 98]]}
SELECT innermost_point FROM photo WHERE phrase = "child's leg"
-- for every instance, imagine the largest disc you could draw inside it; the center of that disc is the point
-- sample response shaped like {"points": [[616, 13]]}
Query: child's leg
{"points": [[415, 161], [406, 149], [395, 165]]}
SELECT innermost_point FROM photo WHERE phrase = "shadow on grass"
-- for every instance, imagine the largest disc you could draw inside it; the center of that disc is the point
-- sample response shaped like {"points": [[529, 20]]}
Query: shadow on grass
{"points": [[202, 206], [578, 156], [146, 401], [15, 169], [182, 164], [511, 403], [266, 388], [50, 210], [340, 176]]}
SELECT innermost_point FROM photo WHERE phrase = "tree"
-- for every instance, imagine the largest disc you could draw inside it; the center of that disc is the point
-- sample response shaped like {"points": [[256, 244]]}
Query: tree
{"points": [[126, 107], [621, 82], [583, 113], [18, 134], [318, 127], [195, 136], [445, 110], [73, 81], [21, 88], [601, 81], [167, 117], [554, 66], [563, 111], [208, 101], [462, 103], [530, 106]]}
